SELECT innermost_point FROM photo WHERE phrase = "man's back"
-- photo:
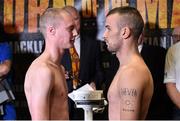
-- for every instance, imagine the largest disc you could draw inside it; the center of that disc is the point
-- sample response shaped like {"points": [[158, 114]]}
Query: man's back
{"points": [[45, 83], [131, 90]]}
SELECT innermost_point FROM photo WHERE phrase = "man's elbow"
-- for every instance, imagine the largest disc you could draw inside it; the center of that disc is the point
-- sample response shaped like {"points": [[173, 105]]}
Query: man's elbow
{"points": [[173, 93]]}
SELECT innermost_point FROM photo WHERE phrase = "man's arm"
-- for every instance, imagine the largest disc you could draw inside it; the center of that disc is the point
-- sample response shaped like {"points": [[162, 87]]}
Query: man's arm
{"points": [[39, 101], [173, 93], [130, 91], [170, 77]]}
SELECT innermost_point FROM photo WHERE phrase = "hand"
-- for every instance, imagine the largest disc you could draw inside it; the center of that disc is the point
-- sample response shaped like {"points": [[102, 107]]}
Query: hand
{"points": [[93, 85], [67, 75], [65, 72]]}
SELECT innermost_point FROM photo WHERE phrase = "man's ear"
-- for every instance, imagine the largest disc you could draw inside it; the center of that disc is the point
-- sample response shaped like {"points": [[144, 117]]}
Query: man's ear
{"points": [[125, 32], [51, 30]]}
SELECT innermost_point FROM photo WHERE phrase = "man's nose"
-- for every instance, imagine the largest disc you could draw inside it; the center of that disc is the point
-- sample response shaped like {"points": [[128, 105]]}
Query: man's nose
{"points": [[75, 33]]}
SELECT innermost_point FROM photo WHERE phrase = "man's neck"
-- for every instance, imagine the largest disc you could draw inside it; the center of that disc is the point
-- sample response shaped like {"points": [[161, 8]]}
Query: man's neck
{"points": [[125, 55], [54, 54]]}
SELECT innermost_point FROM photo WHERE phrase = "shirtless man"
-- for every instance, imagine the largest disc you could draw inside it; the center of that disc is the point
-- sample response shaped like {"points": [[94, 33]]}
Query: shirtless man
{"points": [[131, 90], [45, 85]]}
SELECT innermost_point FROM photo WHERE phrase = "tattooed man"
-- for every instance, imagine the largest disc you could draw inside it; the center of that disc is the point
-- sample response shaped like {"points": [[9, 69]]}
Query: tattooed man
{"points": [[131, 90]]}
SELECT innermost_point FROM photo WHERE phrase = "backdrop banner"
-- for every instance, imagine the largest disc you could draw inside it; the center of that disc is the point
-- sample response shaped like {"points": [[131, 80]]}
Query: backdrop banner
{"points": [[19, 22]]}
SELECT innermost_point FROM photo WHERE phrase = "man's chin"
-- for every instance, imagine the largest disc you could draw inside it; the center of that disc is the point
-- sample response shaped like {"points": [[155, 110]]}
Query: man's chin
{"points": [[69, 46], [111, 51], [72, 44]]}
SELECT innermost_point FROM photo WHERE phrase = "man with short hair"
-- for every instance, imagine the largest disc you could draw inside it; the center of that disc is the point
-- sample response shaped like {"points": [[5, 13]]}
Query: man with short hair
{"points": [[131, 90], [45, 85], [172, 73]]}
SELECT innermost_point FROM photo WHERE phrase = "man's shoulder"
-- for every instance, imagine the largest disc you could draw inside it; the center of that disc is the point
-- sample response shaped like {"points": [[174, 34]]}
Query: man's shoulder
{"points": [[38, 74], [136, 69], [174, 47], [129, 71], [131, 79], [39, 66]]}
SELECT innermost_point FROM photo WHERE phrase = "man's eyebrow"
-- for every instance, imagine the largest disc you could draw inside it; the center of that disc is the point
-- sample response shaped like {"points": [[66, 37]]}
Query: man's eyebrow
{"points": [[76, 18], [70, 26]]}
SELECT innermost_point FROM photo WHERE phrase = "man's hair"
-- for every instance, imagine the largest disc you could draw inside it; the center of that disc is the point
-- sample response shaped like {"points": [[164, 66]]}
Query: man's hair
{"points": [[51, 16], [131, 18], [69, 9]]}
